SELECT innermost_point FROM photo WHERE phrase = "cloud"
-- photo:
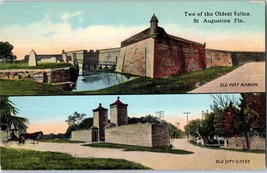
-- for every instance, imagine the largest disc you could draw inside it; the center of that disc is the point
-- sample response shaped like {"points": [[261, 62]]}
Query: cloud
{"points": [[65, 16]]}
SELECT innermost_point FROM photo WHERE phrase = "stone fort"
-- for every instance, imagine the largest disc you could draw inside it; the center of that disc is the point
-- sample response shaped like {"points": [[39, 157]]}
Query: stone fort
{"points": [[153, 53], [119, 131]]}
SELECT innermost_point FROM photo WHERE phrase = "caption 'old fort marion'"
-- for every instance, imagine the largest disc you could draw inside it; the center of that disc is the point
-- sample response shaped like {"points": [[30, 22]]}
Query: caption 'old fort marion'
{"points": [[152, 53]]}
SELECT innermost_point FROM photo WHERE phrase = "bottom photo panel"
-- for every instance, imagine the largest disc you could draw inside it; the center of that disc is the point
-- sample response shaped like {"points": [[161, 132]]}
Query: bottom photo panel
{"points": [[126, 132]]}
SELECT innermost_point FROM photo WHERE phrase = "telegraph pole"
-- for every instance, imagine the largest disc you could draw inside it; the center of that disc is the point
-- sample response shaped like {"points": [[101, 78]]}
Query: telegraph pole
{"points": [[187, 113]]}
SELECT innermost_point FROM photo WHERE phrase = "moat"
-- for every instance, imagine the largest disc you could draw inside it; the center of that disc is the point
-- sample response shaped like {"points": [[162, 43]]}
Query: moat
{"points": [[98, 80]]}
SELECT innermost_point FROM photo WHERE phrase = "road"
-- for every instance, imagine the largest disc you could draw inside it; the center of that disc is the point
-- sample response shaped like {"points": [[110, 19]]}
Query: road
{"points": [[202, 159], [249, 77]]}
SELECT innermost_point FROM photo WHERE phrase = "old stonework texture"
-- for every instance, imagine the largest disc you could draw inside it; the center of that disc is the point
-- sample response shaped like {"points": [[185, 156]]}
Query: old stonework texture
{"points": [[156, 54]]}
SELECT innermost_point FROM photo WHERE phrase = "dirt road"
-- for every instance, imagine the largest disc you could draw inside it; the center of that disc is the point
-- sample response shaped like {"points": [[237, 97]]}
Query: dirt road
{"points": [[202, 158], [248, 78]]}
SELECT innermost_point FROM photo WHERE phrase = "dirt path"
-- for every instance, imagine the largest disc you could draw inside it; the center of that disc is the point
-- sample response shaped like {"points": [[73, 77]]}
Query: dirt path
{"points": [[247, 78], [201, 159]]}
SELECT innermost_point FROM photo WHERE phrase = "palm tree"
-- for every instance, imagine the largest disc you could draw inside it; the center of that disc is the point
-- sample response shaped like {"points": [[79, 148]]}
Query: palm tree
{"points": [[7, 115]]}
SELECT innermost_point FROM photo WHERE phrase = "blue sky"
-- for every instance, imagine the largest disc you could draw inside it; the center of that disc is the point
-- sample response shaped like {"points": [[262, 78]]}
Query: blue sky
{"points": [[49, 27], [51, 111]]}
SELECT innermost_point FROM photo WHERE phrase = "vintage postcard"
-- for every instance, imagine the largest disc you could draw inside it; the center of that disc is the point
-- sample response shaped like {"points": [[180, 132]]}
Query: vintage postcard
{"points": [[154, 85], [52, 48]]}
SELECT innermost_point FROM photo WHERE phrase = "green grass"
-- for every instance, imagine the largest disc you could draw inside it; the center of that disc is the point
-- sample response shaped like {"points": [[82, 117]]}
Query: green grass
{"points": [[39, 66], [20, 159], [170, 85], [142, 85], [59, 141], [27, 87], [229, 149], [137, 148]]}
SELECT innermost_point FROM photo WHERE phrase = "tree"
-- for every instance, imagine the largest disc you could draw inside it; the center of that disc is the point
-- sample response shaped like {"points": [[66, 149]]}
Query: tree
{"points": [[77, 122], [7, 115], [232, 121], [174, 132], [207, 129], [253, 115], [222, 104], [193, 127], [253, 105], [75, 119], [146, 119], [6, 51]]}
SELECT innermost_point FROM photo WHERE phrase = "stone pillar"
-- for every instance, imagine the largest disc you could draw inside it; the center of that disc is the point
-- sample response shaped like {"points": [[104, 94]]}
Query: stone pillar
{"points": [[100, 121], [118, 113], [64, 56], [32, 59]]}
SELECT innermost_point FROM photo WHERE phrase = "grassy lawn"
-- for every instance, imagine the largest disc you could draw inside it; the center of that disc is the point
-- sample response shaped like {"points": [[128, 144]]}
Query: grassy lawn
{"points": [[229, 149], [137, 148], [59, 141], [20, 159], [39, 66], [27, 87], [170, 85]]}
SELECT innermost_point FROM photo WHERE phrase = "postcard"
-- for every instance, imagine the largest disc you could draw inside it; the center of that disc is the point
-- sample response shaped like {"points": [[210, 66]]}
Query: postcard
{"points": [[154, 85], [52, 48]]}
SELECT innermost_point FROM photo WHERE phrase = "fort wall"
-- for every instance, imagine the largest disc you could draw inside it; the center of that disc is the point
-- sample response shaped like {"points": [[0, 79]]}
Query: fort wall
{"points": [[137, 58], [232, 58], [109, 55], [173, 57]]}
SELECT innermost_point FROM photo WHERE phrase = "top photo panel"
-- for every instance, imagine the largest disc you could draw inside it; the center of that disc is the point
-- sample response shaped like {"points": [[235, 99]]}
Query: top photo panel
{"points": [[87, 48]]}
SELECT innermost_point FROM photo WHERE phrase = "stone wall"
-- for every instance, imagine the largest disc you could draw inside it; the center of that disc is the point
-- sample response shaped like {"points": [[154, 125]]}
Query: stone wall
{"points": [[240, 58], [81, 135], [132, 134], [240, 143], [150, 135], [174, 57], [160, 136], [41, 75], [109, 55], [137, 58], [232, 58], [218, 58]]}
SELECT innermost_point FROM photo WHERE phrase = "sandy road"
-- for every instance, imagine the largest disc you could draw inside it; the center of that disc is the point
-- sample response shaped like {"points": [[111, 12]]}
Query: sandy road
{"points": [[202, 158], [249, 77]]}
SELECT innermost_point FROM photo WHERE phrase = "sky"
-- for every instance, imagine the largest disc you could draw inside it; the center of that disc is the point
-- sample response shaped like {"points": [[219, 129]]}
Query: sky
{"points": [[50, 27], [48, 113]]}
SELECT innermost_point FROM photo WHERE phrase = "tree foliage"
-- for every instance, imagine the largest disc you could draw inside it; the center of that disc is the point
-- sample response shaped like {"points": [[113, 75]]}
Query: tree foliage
{"points": [[6, 51], [77, 121], [230, 118], [7, 115], [146, 119], [193, 127], [253, 108]]}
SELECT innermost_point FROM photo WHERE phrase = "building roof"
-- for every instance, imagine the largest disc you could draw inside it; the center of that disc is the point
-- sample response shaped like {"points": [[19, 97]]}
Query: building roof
{"points": [[99, 108], [118, 102]]}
